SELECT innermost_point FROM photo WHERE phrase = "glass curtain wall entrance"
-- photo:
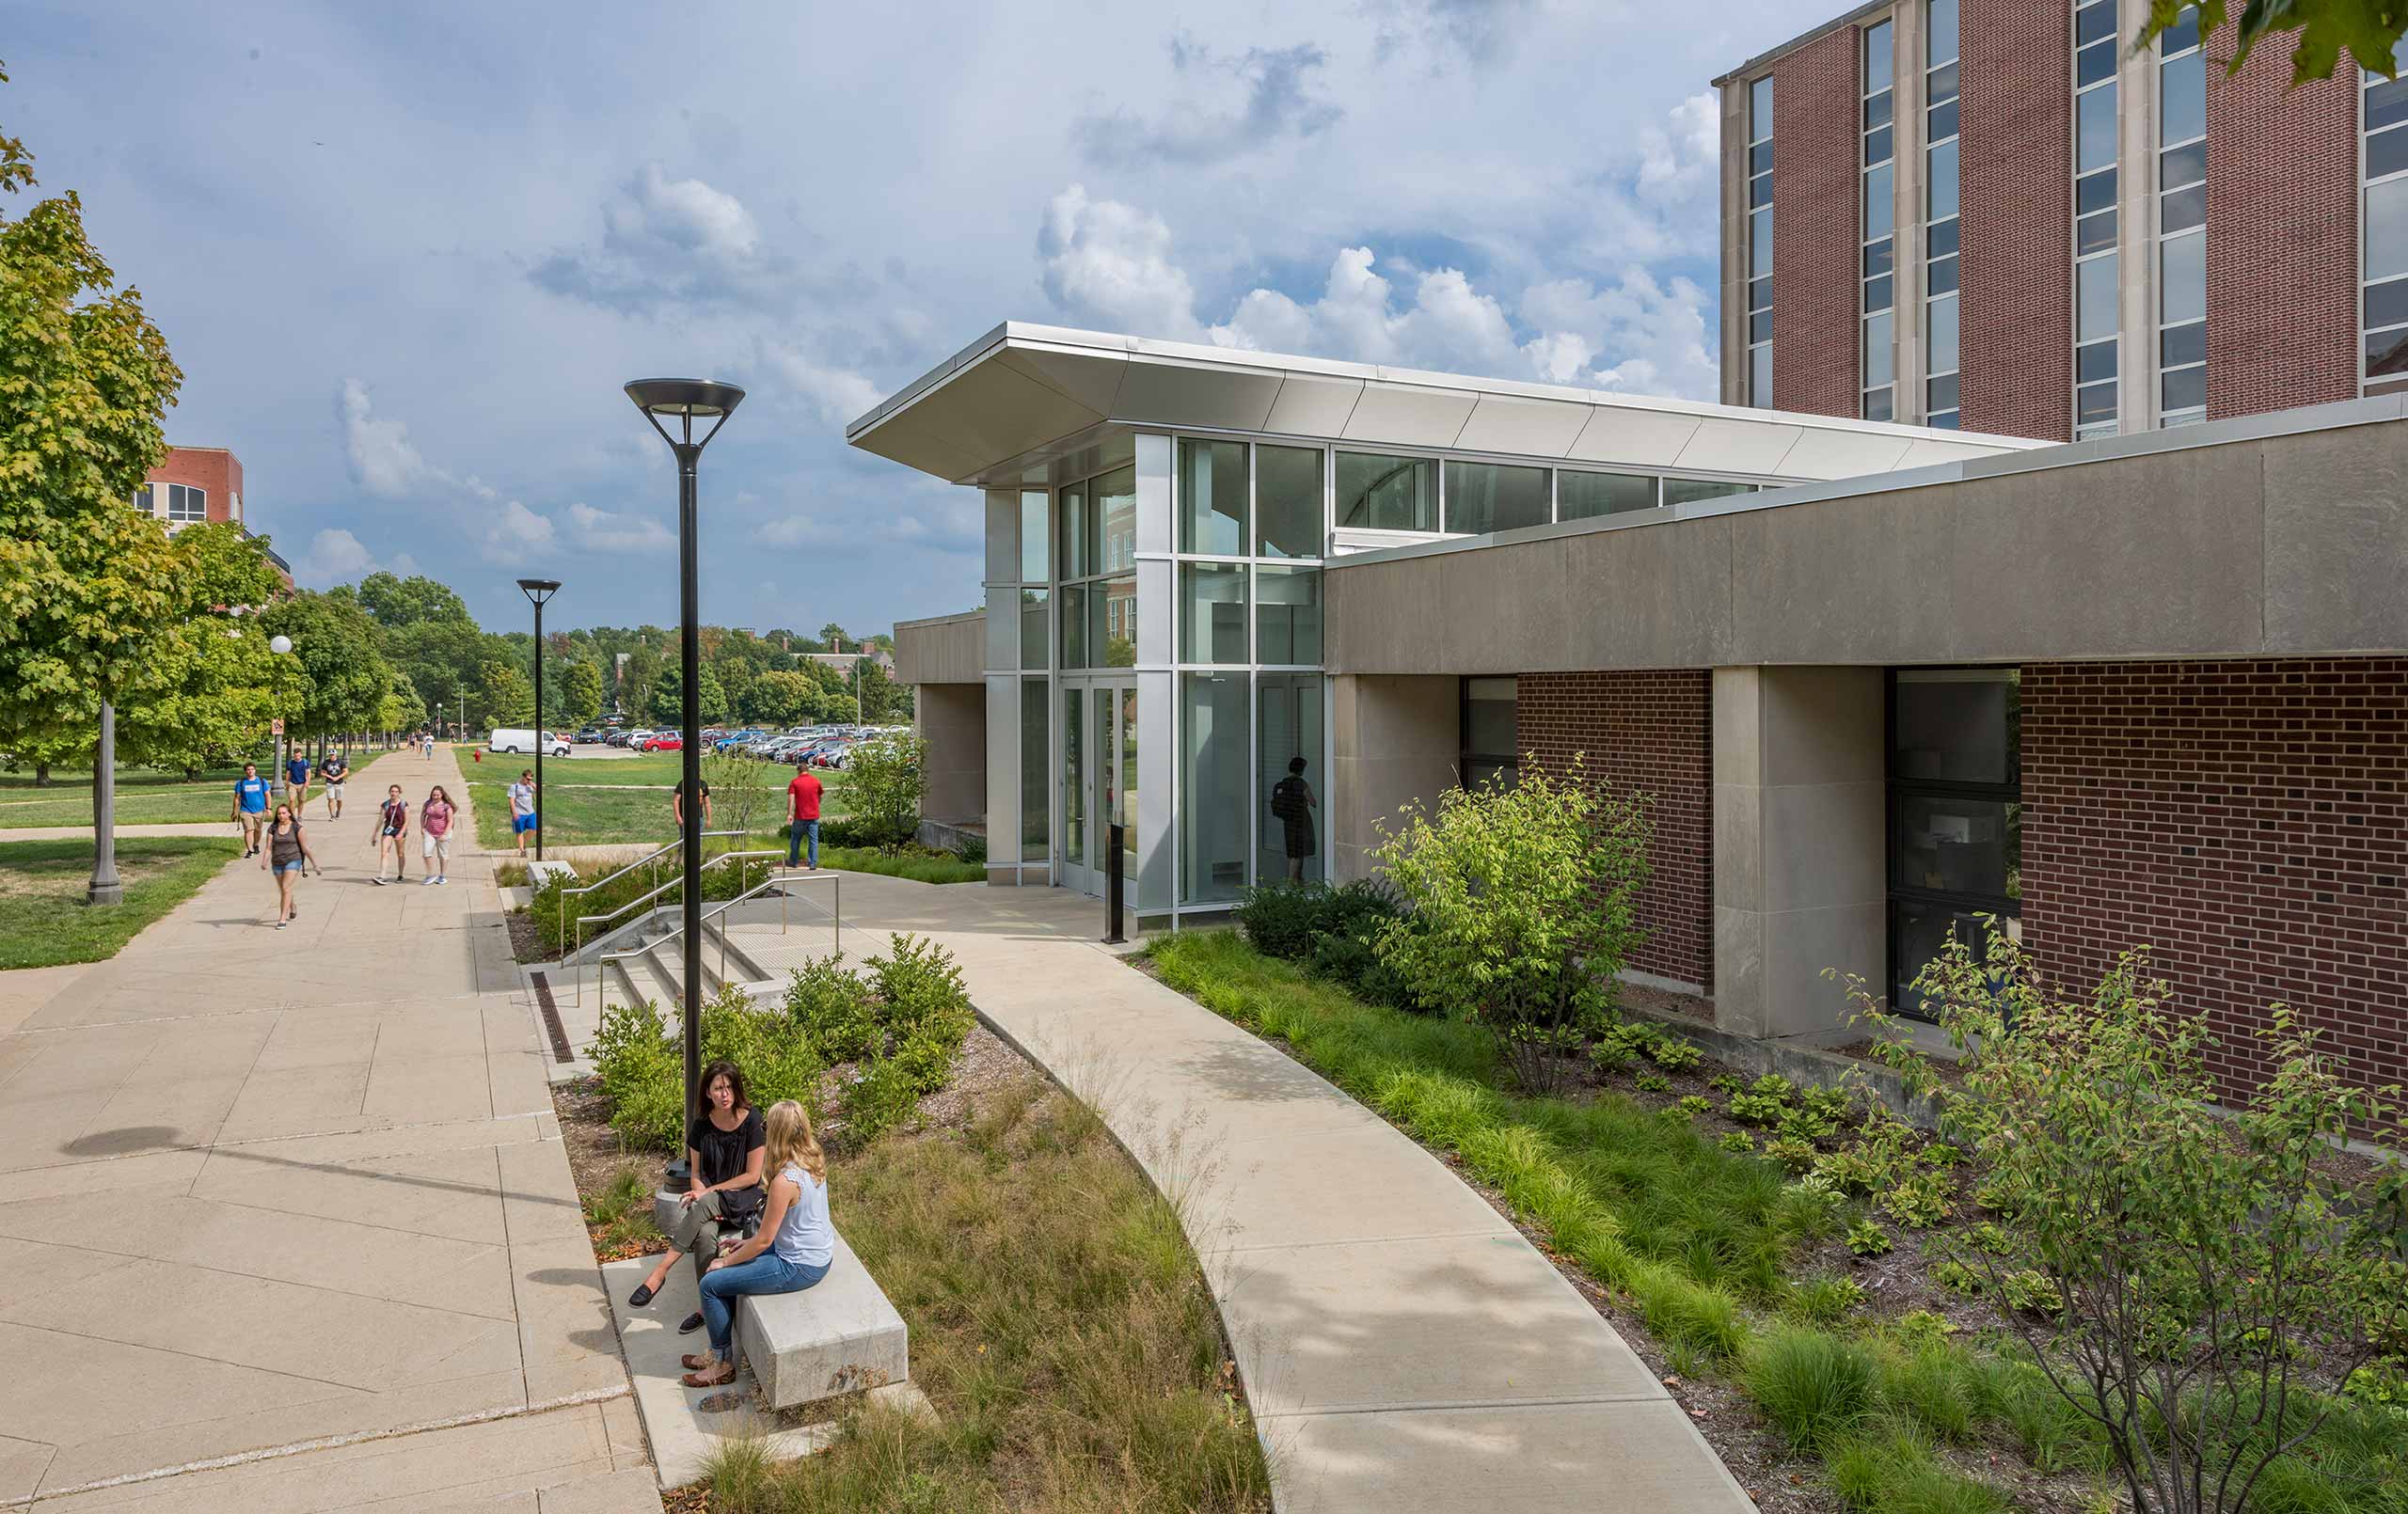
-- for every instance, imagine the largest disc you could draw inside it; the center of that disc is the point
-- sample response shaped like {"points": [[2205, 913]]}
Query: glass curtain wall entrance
{"points": [[1099, 782]]}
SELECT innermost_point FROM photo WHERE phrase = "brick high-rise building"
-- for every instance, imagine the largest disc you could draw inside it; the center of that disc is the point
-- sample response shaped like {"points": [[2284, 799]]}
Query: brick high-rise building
{"points": [[194, 484], [1994, 215]]}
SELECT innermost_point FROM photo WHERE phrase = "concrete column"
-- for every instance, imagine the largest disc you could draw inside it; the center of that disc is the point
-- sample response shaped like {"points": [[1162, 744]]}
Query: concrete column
{"points": [[1393, 739], [999, 753], [1799, 851], [952, 719]]}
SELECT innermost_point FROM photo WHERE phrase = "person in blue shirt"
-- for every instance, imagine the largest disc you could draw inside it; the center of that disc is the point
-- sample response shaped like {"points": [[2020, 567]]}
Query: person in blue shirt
{"points": [[296, 773], [250, 807]]}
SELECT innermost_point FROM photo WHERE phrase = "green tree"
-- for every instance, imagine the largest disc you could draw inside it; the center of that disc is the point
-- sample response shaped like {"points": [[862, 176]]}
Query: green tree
{"points": [[781, 697], [1520, 911], [882, 697], [2179, 1264], [885, 782], [506, 695], [395, 602], [2321, 30], [580, 692], [220, 686], [336, 645], [667, 696], [87, 585]]}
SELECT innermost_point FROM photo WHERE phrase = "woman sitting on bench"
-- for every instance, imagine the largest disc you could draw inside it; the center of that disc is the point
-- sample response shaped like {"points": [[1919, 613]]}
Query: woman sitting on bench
{"points": [[723, 1194], [792, 1251]]}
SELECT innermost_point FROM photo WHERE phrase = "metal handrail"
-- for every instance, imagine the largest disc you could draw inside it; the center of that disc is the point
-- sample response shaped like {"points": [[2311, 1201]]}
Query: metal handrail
{"points": [[647, 897], [653, 856], [835, 882]]}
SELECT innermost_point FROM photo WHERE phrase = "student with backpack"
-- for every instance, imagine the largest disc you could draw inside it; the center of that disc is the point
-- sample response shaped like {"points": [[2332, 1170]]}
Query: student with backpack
{"points": [[392, 824]]}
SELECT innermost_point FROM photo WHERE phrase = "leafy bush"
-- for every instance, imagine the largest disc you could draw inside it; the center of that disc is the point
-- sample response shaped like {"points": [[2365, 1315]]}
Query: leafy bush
{"points": [[1282, 919], [1522, 904], [1919, 1202], [833, 1008], [1867, 1238], [1693, 1105], [1827, 1301], [1738, 1141], [885, 779], [1674, 1054], [1652, 1083], [724, 880], [643, 1073], [1753, 1108], [1796, 1154], [1618, 1045], [1954, 1274], [2188, 1259]]}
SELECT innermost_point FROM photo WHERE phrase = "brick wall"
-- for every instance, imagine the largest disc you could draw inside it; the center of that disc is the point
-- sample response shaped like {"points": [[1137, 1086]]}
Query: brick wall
{"points": [[210, 469], [1649, 732], [2282, 233], [2015, 196], [1817, 93], [2248, 821]]}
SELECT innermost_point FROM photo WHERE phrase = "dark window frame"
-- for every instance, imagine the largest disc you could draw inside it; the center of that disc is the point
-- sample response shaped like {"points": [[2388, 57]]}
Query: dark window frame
{"points": [[1464, 756], [1897, 790]]}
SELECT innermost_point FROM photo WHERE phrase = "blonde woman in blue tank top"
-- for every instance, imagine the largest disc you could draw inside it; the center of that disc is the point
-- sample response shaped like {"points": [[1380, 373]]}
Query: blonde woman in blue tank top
{"points": [[791, 1251]]}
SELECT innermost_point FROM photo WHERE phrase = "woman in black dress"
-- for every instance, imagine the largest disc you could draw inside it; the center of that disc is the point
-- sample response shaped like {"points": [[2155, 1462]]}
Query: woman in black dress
{"points": [[1292, 805], [725, 1148]]}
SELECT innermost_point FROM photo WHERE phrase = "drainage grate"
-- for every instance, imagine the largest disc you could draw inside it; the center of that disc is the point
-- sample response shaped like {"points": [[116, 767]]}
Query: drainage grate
{"points": [[552, 1019]]}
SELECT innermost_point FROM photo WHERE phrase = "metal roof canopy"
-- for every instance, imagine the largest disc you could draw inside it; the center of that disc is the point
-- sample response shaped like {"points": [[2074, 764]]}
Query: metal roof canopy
{"points": [[1023, 394]]}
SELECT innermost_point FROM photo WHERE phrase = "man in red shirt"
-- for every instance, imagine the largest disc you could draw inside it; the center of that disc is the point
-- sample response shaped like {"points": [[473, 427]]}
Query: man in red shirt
{"points": [[803, 809]]}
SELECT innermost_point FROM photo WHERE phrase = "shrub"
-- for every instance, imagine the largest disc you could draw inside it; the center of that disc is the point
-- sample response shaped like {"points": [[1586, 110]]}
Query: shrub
{"points": [[1796, 1154], [1652, 1083], [1756, 1108], [1827, 1301], [642, 1072], [1811, 1385], [885, 779], [2187, 1259], [1867, 1238], [1281, 919], [1618, 1046], [1522, 905], [1725, 1082], [1956, 1275], [1919, 1202], [1693, 1105], [1923, 1325], [833, 1008], [1738, 1141], [1674, 1054]]}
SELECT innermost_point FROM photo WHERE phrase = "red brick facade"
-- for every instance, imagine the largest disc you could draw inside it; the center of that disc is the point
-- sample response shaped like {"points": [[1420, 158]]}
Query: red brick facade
{"points": [[2015, 341], [2282, 233], [2248, 821], [212, 469], [1816, 92], [1648, 732]]}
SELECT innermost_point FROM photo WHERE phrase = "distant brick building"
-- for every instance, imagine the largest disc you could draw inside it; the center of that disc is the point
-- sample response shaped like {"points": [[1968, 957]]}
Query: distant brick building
{"points": [[1993, 215], [193, 485]]}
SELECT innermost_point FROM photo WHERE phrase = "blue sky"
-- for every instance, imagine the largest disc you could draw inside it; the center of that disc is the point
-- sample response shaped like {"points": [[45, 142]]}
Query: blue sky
{"points": [[405, 255]]}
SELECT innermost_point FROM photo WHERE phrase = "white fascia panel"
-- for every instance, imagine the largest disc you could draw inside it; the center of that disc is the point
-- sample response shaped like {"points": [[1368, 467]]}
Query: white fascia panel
{"points": [[1739, 445], [1842, 454], [1626, 433], [1528, 428], [1187, 394], [1311, 405], [1409, 415], [996, 411], [1088, 377], [1921, 453]]}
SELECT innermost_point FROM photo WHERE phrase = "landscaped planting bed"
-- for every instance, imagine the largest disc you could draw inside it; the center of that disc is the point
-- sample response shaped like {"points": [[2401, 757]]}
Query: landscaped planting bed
{"points": [[1060, 1324], [1807, 1321]]}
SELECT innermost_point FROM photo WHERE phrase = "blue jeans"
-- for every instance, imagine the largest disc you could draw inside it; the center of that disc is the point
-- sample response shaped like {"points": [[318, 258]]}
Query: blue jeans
{"points": [[795, 834], [765, 1273]]}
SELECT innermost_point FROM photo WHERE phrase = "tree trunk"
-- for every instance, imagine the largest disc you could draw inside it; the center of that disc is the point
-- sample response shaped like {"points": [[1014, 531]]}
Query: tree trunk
{"points": [[41, 774]]}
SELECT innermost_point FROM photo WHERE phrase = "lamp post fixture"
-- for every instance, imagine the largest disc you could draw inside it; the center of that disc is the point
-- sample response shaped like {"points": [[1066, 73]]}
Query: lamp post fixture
{"points": [[538, 591], [105, 887], [681, 401], [282, 647]]}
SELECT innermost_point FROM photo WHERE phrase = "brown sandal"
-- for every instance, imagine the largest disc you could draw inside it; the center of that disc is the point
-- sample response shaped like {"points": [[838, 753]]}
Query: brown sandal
{"points": [[718, 1380]]}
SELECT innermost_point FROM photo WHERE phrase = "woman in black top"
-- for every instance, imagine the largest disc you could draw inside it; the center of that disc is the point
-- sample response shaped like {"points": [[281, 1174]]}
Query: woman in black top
{"points": [[723, 1160], [288, 851]]}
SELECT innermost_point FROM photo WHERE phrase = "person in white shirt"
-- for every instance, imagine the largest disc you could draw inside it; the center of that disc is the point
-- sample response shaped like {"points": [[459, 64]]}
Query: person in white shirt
{"points": [[792, 1251], [522, 807]]}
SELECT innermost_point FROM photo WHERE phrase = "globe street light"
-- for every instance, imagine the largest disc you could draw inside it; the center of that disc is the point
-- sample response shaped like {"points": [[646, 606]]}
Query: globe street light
{"points": [[281, 646], [537, 590], [681, 401]]}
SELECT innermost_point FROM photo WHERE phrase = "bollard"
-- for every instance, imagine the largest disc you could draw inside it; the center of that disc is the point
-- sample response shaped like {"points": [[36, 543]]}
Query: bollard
{"points": [[1113, 840]]}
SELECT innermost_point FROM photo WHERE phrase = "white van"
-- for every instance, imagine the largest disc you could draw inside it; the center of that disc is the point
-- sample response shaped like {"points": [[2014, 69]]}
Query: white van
{"points": [[523, 743]]}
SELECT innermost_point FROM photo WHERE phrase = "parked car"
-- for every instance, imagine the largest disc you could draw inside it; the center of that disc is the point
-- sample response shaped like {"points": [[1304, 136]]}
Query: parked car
{"points": [[731, 740], [592, 733], [634, 738], [511, 739], [662, 741]]}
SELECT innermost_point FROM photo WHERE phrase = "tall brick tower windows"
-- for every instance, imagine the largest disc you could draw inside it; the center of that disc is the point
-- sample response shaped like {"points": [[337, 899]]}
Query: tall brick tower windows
{"points": [[1760, 242], [2383, 258], [1879, 363], [2096, 260], [2182, 224], [1940, 237]]}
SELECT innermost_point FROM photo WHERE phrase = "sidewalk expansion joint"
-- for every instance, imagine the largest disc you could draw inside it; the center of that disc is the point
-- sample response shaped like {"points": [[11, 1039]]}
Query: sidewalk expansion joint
{"points": [[1499, 1231], [1440, 1406], [329, 1442]]}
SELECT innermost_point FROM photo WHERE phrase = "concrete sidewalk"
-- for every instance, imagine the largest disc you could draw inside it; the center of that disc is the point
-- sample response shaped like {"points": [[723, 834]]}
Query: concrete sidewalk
{"points": [[294, 1202], [1403, 1346], [225, 829]]}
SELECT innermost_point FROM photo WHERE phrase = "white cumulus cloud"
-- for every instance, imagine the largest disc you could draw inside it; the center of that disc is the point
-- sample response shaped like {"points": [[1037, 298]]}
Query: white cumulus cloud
{"points": [[383, 461], [1110, 263], [335, 556], [604, 530]]}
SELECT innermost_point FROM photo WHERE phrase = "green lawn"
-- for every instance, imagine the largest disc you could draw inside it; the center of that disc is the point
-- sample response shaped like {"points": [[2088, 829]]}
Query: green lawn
{"points": [[597, 801], [44, 919], [145, 797]]}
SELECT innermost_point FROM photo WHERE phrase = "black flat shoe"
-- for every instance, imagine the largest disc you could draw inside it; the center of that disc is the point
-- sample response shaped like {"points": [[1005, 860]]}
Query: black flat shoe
{"points": [[693, 1322], [641, 1295]]}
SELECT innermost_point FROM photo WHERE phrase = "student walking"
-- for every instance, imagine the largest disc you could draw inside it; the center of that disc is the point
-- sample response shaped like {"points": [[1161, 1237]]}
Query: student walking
{"points": [[296, 777], [332, 772], [392, 824], [803, 812], [250, 807], [426, 742], [793, 1250], [288, 853], [522, 807], [435, 827]]}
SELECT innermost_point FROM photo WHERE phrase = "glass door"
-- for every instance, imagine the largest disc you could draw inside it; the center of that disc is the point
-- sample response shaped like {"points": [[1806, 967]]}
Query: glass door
{"points": [[1099, 782]]}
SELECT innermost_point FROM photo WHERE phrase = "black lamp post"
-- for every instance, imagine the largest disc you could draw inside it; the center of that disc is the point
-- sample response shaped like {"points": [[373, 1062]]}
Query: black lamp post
{"points": [[538, 591], [682, 400]]}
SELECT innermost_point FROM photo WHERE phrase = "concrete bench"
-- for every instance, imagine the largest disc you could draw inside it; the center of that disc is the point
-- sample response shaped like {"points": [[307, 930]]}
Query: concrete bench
{"points": [[839, 1336]]}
